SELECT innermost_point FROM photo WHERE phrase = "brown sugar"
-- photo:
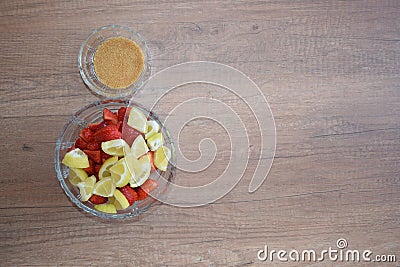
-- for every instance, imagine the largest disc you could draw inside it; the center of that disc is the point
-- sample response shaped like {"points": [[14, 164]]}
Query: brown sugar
{"points": [[118, 62]]}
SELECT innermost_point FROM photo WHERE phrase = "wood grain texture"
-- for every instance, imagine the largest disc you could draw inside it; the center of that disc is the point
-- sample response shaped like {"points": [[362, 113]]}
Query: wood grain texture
{"points": [[330, 71]]}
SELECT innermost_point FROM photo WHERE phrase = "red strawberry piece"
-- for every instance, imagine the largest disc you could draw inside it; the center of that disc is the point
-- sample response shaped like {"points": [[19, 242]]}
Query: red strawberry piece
{"points": [[153, 166], [109, 132], [71, 148], [93, 146], [141, 193], [80, 143], [129, 193], [121, 114], [149, 186], [93, 155], [86, 134], [97, 169], [94, 127], [96, 199], [90, 170], [129, 134], [104, 156], [110, 117], [119, 125]]}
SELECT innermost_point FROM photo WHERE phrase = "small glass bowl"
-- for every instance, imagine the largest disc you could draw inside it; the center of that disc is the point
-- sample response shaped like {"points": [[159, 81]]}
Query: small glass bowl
{"points": [[93, 113], [86, 55]]}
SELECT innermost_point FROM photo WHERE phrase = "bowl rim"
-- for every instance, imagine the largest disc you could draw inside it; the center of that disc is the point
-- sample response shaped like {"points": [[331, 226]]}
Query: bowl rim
{"points": [[133, 212], [121, 92]]}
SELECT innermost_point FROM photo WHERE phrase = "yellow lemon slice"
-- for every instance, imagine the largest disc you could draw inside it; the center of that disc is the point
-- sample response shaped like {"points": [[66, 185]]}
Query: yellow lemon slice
{"points": [[139, 147], [140, 167], [120, 200], [115, 147], [152, 128], [105, 187], [161, 158], [120, 173], [86, 187], [106, 208], [77, 175], [137, 120], [76, 159], [104, 171], [155, 141]]}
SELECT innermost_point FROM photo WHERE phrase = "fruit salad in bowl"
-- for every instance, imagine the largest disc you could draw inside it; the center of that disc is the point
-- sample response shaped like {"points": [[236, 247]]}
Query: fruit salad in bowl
{"points": [[115, 159]]}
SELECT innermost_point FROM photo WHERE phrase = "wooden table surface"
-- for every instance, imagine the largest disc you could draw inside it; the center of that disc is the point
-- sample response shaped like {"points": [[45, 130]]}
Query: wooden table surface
{"points": [[330, 71]]}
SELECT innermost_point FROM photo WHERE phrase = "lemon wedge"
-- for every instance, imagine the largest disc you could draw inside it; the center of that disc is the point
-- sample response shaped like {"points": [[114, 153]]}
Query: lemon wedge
{"points": [[105, 187], [137, 120], [139, 147], [120, 173], [120, 200], [152, 128], [115, 147], [104, 171], [86, 187], [77, 175], [106, 208], [76, 159], [161, 158], [155, 141], [140, 167]]}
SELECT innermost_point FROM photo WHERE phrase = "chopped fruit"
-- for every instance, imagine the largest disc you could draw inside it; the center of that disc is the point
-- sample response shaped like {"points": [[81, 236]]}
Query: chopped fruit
{"points": [[152, 128], [86, 134], [106, 208], [104, 171], [155, 141], [129, 134], [86, 187], [141, 193], [109, 116], [71, 148], [90, 169], [109, 132], [77, 175], [119, 125], [93, 155], [140, 168], [93, 146], [139, 147], [97, 169], [121, 114], [76, 159], [150, 154], [120, 201], [149, 186], [104, 156], [80, 143], [120, 173], [96, 126], [96, 199], [129, 193], [161, 158], [104, 187], [137, 120], [115, 147]]}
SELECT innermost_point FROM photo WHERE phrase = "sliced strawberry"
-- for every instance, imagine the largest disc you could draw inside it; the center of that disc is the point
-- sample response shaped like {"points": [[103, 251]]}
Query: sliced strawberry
{"points": [[93, 155], [141, 193], [80, 143], [97, 169], [104, 156], [96, 199], [94, 127], [93, 146], [86, 134], [71, 148], [110, 117], [119, 125], [153, 166], [90, 170], [129, 193], [149, 186], [109, 132], [121, 114], [129, 134]]}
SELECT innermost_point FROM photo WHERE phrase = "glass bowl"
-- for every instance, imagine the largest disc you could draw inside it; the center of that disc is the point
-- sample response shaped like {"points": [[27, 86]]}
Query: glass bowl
{"points": [[93, 113], [86, 55]]}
